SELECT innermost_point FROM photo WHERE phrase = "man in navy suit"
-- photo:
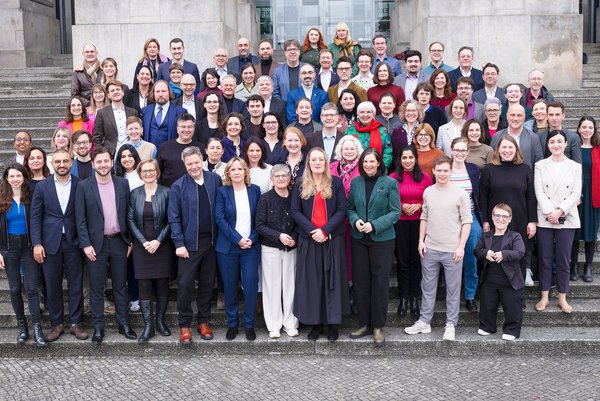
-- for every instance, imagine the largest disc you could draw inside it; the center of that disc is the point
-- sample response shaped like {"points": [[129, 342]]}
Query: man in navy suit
{"points": [[326, 76], [318, 97], [176, 47], [272, 103], [234, 64], [465, 69], [55, 244], [491, 75], [287, 76], [160, 118], [101, 216]]}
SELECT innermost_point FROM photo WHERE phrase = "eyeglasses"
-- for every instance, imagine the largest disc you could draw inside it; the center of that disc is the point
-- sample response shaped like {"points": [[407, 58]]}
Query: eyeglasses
{"points": [[501, 216], [460, 151], [22, 140], [329, 115], [148, 172], [270, 122], [281, 176], [422, 135], [436, 50], [492, 111], [291, 49], [82, 143], [344, 68]]}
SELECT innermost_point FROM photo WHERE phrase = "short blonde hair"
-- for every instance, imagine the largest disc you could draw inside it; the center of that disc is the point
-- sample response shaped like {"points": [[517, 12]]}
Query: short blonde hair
{"points": [[149, 161]]}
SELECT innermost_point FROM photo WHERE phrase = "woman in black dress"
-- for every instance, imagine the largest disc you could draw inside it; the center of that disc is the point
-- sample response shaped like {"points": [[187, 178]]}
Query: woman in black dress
{"points": [[508, 180], [152, 248], [319, 209]]}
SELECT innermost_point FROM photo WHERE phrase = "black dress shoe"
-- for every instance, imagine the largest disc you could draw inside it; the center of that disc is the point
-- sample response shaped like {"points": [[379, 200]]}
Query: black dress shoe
{"points": [[574, 274], [315, 332], [471, 305], [588, 275], [403, 307], [231, 333], [127, 332], [98, 336], [414, 307], [332, 332], [250, 333]]}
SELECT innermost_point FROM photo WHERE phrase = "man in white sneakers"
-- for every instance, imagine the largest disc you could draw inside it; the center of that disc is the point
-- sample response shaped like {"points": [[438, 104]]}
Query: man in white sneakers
{"points": [[445, 225]]}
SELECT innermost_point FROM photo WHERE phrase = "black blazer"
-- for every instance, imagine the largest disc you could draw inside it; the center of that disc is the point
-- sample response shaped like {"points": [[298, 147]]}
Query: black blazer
{"points": [[237, 106], [278, 107], [105, 127], [4, 225], [48, 219], [89, 214], [200, 110], [159, 208], [134, 101], [316, 140], [512, 249]]}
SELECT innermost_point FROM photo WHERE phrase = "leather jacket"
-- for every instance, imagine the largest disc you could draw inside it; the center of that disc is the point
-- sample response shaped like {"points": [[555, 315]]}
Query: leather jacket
{"points": [[159, 207]]}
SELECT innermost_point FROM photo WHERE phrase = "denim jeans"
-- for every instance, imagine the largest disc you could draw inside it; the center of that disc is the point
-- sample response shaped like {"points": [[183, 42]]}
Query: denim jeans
{"points": [[470, 261], [19, 258]]}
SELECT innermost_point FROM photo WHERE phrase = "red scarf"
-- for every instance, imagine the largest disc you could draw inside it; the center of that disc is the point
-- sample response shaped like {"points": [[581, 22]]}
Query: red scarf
{"points": [[374, 137], [596, 176]]}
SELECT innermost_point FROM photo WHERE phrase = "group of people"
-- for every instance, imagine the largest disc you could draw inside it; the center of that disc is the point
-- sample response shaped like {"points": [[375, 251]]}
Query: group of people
{"points": [[305, 181]]}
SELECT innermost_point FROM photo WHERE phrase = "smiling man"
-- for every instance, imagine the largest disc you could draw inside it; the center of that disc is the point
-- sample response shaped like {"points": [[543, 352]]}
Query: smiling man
{"points": [[234, 64], [86, 74], [318, 97], [160, 118], [413, 76], [466, 69], [177, 49]]}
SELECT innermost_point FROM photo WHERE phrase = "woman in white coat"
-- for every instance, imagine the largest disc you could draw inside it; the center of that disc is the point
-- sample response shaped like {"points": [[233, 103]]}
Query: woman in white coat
{"points": [[557, 182]]}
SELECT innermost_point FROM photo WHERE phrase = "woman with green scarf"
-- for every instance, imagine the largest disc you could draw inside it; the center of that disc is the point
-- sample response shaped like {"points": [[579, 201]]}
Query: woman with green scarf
{"points": [[343, 45]]}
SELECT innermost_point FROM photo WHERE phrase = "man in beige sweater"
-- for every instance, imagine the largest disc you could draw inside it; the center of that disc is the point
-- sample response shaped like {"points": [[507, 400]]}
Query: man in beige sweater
{"points": [[445, 225]]}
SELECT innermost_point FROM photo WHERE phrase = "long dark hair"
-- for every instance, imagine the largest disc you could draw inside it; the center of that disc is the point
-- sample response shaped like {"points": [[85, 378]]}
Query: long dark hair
{"points": [[212, 72], [263, 151], [6, 192], [119, 169], [356, 101], [261, 132], [220, 113], [45, 169], [367, 152], [595, 140], [84, 116], [417, 174]]}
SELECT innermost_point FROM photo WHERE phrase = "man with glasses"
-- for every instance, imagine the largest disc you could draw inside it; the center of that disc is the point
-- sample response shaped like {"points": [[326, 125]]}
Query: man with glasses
{"points": [[82, 164], [318, 97], [466, 69], [380, 46], [464, 90], [55, 243], [287, 76], [491, 75], [536, 89], [220, 58], [344, 71], [22, 145], [436, 55], [329, 136], [176, 48], [188, 101]]}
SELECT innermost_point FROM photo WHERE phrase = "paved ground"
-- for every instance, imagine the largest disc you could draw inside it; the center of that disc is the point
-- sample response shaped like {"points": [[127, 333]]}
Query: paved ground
{"points": [[296, 378]]}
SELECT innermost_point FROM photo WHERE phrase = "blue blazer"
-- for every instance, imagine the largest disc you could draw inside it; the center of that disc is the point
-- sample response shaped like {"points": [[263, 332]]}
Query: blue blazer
{"points": [[225, 215], [90, 216], [188, 68], [318, 98], [281, 81], [476, 76], [48, 219], [170, 120], [233, 64]]}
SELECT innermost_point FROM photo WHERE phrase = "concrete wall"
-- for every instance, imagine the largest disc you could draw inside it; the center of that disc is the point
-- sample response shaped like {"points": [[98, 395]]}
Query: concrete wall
{"points": [[30, 33], [526, 33], [119, 28]]}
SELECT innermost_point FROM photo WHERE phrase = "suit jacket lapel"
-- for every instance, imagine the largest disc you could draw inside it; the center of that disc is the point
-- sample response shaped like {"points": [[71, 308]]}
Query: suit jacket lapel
{"points": [[96, 192], [111, 118], [376, 189], [54, 194]]}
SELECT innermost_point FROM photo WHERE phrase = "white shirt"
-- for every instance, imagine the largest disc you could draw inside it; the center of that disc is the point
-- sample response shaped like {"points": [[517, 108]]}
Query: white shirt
{"points": [[121, 118], [325, 79], [328, 144], [243, 219], [189, 106], [63, 192], [267, 107], [20, 159]]}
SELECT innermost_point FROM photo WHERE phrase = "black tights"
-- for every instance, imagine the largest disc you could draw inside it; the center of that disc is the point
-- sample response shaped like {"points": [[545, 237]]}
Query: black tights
{"points": [[161, 285], [590, 249]]}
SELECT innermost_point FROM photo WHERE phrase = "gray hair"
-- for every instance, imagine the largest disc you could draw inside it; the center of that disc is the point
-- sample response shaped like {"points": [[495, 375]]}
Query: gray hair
{"points": [[264, 78], [366, 106], [492, 100], [337, 153], [279, 168], [191, 150]]}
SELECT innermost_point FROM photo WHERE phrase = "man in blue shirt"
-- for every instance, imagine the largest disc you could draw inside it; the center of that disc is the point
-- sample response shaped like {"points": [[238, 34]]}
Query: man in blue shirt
{"points": [[380, 46]]}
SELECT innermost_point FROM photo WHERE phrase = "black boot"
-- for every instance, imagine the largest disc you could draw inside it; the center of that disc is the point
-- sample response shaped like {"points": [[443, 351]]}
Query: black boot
{"points": [[148, 333], [332, 332], [574, 272], [353, 307], [23, 332], [315, 332], [161, 309], [588, 275], [414, 307], [38, 335], [403, 306]]}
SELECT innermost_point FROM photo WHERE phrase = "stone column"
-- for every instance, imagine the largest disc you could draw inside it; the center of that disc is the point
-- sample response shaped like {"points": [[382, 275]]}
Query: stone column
{"points": [[120, 28], [517, 35]]}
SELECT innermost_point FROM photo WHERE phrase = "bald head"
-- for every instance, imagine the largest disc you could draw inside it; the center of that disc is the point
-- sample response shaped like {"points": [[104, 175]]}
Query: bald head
{"points": [[243, 47], [220, 57], [516, 118], [188, 84]]}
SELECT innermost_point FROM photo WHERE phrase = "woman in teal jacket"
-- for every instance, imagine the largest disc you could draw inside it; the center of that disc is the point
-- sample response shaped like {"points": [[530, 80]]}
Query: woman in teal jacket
{"points": [[373, 208]]}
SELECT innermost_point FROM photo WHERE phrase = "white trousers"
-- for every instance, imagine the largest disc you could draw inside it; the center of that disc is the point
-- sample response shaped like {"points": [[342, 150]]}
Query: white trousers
{"points": [[278, 280]]}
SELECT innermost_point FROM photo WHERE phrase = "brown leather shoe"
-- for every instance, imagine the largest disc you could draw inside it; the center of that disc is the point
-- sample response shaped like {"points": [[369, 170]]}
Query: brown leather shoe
{"points": [[205, 331], [55, 333], [185, 336], [78, 331]]}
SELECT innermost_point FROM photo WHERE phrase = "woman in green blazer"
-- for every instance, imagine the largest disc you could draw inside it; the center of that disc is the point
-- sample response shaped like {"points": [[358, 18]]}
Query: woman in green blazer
{"points": [[373, 207]]}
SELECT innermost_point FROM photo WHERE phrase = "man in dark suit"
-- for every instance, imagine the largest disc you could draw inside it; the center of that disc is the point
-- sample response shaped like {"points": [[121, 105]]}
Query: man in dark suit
{"points": [[160, 117], [272, 104], [176, 47], [491, 75], [266, 66], [231, 103], [465, 69], [308, 89], [55, 244], [326, 76], [110, 129], [234, 64], [100, 212], [329, 137], [344, 71], [188, 101]]}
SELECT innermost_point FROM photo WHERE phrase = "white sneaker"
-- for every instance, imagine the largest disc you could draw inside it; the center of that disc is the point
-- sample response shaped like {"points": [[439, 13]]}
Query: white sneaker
{"points": [[134, 306], [418, 327], [274, 334], [508, 337], [449, 334], [292, 332], [483, 333], [528, 279]]}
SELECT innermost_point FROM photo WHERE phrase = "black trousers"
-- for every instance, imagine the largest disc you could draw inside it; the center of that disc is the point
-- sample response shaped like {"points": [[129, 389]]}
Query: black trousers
{"points": [[408, 261], [496, 291], [68, 261], [201, 266], [113, 256], [371, 264]]}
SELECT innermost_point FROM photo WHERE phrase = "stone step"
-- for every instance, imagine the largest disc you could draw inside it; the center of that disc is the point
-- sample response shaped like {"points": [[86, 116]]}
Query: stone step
{"points": [[36, 132], [34, 87], [570, 93], [589, 101], [534, 341], [37, 92], [26, 122], [32, 103], [586, 313], [57, 111]]}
